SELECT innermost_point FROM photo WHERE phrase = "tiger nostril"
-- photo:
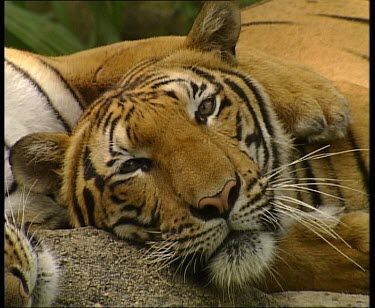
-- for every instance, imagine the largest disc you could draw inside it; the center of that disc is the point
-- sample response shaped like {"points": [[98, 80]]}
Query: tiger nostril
{"points": [[219, 205], [206, 213]]}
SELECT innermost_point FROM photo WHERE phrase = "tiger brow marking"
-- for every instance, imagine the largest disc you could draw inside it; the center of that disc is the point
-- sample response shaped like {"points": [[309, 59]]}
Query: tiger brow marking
{"points": [[237, 89], [134, 71], [205, 75], [226, 102], [102, 111], [112, 128], [107, 121], [168, 81], [150, 80]]}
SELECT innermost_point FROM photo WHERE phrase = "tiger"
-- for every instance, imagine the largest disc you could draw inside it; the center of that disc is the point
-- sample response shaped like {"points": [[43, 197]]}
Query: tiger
{"points": [[222, 158], [31, 271]]}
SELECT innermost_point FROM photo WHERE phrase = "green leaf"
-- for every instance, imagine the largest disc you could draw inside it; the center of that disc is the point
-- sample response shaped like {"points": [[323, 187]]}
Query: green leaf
{"points": [[39, 33]]}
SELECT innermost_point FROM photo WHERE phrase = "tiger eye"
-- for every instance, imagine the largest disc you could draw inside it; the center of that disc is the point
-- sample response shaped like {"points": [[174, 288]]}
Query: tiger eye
{"points": [[207, 107]]}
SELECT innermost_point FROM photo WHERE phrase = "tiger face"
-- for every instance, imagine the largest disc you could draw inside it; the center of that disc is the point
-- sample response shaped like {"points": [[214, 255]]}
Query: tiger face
{"points": [[180, 156]]}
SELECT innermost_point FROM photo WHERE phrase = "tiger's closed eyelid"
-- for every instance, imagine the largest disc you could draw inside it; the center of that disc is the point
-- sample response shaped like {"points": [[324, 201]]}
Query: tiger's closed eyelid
{"points": [[134, 164]]}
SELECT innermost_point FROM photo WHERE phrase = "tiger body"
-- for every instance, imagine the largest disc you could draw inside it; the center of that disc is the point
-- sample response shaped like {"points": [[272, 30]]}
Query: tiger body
{"points": [[247, 161]]}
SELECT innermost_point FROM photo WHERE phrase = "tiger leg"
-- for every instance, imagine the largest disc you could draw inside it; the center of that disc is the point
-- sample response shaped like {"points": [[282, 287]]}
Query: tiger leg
{"points": [[306, 261]]}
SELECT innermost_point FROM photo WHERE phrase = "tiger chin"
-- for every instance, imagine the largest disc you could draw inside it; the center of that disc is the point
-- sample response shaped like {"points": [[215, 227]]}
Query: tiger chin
{"points": [[184, 153]]}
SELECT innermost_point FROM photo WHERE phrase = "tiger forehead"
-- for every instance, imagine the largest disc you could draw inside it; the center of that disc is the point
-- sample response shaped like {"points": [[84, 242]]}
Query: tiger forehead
{"points": [[170, 78]]}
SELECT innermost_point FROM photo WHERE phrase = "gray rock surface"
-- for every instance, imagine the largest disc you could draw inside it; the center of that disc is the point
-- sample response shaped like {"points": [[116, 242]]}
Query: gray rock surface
{"points": [[99, 270]]}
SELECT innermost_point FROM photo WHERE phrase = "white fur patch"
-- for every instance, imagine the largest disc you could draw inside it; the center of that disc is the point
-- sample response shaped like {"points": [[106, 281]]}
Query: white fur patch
{"points": [[46, 287], [247, 264]]}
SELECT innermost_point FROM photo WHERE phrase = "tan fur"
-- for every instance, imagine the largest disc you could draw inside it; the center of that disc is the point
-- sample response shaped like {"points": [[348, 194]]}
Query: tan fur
{"points": [[305, 262], [307, 105]]}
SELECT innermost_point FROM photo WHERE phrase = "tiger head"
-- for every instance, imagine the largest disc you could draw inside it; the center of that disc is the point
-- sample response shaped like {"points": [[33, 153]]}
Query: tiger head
{"points": [[179, 154]]}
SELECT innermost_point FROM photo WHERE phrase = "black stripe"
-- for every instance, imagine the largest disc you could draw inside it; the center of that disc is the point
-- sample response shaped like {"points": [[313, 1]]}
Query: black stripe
{"points": [[117, 200], [90, 205], [205, 75], [171, 94], [315, 195], [129, 113], [257, 23], [254, 207], [263, 109], [359, 161], [134, 71], [251, 138], [239, 91], [224, 104], [113, 126], [357, 54], [89, 171], [130, 208], [238, 126], [195, 88], [99, 183], [155, 214], [40, 90], [296, 181], [16, 272], [168, 81], [333, 175], [77, 212], [128, 221], [150, 80], [107, 120], [66, 84], [102, 111], [347, 18], [113, 186]]}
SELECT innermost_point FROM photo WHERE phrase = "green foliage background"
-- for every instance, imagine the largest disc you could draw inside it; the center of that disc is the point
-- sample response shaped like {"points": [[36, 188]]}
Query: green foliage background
{"points": [[63, 27]]}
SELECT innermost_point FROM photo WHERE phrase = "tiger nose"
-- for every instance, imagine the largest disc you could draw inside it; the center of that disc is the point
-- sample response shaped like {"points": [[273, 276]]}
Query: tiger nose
{"points": [[217, 205]]}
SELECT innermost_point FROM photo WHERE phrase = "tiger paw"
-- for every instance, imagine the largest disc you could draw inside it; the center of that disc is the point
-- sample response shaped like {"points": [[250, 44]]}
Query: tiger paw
{"points": [[307, 104], [317, 260], [321, 116]]}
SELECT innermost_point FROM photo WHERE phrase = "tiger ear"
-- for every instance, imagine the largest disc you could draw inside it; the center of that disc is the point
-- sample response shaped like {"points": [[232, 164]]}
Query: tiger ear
{"points": [[217, 27], [37, 160]]}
